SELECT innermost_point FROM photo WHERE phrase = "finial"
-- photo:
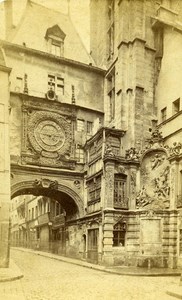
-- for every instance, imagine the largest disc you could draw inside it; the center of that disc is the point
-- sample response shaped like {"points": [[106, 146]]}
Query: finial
{"points": [[73, 94], [25, 84]]}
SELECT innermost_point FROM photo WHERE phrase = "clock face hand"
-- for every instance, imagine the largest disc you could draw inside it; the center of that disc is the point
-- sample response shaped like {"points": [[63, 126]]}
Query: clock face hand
{"points": [[49, 134]]}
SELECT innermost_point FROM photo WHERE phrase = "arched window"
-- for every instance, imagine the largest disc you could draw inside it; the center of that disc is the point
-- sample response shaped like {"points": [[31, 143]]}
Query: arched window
{"points": [[119, 233]]}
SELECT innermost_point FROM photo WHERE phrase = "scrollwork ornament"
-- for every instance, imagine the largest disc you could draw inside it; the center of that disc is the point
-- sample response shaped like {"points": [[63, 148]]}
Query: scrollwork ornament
{"points": [[176, 149]]}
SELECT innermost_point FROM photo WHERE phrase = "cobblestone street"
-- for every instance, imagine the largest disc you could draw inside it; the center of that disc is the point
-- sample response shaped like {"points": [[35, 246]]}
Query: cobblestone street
{"points": [[48, 279]]}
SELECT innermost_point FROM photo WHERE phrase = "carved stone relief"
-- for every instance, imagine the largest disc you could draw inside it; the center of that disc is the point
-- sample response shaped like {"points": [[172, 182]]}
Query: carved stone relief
{"points": [[109, 150], [133, 182], [155, 185], [109, 185], [46, 183], [121, 169], [175, 150], [132, 154]]}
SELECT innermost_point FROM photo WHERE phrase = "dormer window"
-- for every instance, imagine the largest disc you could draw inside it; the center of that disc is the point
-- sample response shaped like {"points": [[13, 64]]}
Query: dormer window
{"points": [[55, 40], [56, 48]]}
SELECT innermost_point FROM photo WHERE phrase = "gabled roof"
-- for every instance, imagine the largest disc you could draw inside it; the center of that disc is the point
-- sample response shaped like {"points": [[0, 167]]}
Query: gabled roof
{"points": [[55, 31], [37, 20]]}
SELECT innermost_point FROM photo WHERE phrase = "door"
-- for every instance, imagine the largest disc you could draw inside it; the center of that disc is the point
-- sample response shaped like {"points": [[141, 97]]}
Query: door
{"points": [[93, 235]]}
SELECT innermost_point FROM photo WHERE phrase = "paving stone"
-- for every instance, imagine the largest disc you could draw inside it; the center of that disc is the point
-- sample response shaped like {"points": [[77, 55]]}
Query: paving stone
{"points": [[48, 279]]}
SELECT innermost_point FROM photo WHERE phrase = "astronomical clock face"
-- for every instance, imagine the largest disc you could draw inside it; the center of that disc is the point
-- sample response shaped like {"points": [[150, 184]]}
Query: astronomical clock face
{"points": [[49, 134]]}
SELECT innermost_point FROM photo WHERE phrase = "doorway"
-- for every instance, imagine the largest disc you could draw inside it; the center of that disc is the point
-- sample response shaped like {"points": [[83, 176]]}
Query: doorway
{"points": [[93, 235]]}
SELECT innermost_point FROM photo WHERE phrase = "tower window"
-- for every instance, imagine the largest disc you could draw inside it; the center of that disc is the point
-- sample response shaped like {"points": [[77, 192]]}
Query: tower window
{"points": [[89, 127], [163, 114], [111, 94], [176, 106], [19, 84], [80, 125], [32, 213], [56, 48], [80, 154], [56, 83]]}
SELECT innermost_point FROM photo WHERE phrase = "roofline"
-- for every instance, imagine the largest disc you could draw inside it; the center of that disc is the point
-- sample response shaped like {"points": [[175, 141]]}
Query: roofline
{"points": [[70, 105], [114, 131], [5, 69], [63, 60]]}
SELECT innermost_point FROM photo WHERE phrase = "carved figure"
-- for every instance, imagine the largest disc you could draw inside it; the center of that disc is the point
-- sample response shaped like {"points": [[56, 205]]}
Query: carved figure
{"points": [[157, 160], [77, 184], [156, 134], [161, 184], [142, 198], [121, 169], [133, 182], [176, 149], [108, 150], [132, 153]]}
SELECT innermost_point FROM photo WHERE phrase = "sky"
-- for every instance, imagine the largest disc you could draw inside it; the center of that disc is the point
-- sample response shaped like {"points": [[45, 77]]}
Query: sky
{"points": [[79, 12]]}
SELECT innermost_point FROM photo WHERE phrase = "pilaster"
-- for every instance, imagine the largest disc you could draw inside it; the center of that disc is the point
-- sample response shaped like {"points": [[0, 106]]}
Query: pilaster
{"points": [[4, 168], [107, 258], [109, 183], [174, 183]]}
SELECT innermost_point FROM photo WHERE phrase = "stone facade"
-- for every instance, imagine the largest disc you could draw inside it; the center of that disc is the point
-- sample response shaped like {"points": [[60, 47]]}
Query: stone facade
{"points": [[101, 134], [133, 43]]}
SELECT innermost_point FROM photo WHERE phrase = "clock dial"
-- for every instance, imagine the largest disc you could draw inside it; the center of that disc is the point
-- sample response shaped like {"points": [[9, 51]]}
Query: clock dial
{"points": [[49, 135]]}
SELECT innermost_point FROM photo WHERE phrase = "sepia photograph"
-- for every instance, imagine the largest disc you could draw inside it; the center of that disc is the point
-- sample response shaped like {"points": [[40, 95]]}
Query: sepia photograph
{"points": [[90, 149]]}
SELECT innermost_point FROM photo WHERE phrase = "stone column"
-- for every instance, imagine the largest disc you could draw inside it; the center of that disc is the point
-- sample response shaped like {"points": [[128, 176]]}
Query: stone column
{"points": [[4, 167]]}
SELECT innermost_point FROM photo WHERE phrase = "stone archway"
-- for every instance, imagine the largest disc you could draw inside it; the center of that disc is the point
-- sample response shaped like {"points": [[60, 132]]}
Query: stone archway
{"points": [[70, 200]]}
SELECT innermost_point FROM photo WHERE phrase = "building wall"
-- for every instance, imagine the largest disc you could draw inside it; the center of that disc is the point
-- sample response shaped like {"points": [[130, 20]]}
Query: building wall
{"points": [[130, 177], [168, 87], [88, 90], [44, 237], [87, 82], [132, 62], [4, 164]]}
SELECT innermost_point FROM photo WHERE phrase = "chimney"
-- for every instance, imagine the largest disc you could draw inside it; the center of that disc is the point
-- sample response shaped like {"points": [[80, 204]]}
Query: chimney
{"points": [[8, 8]]}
